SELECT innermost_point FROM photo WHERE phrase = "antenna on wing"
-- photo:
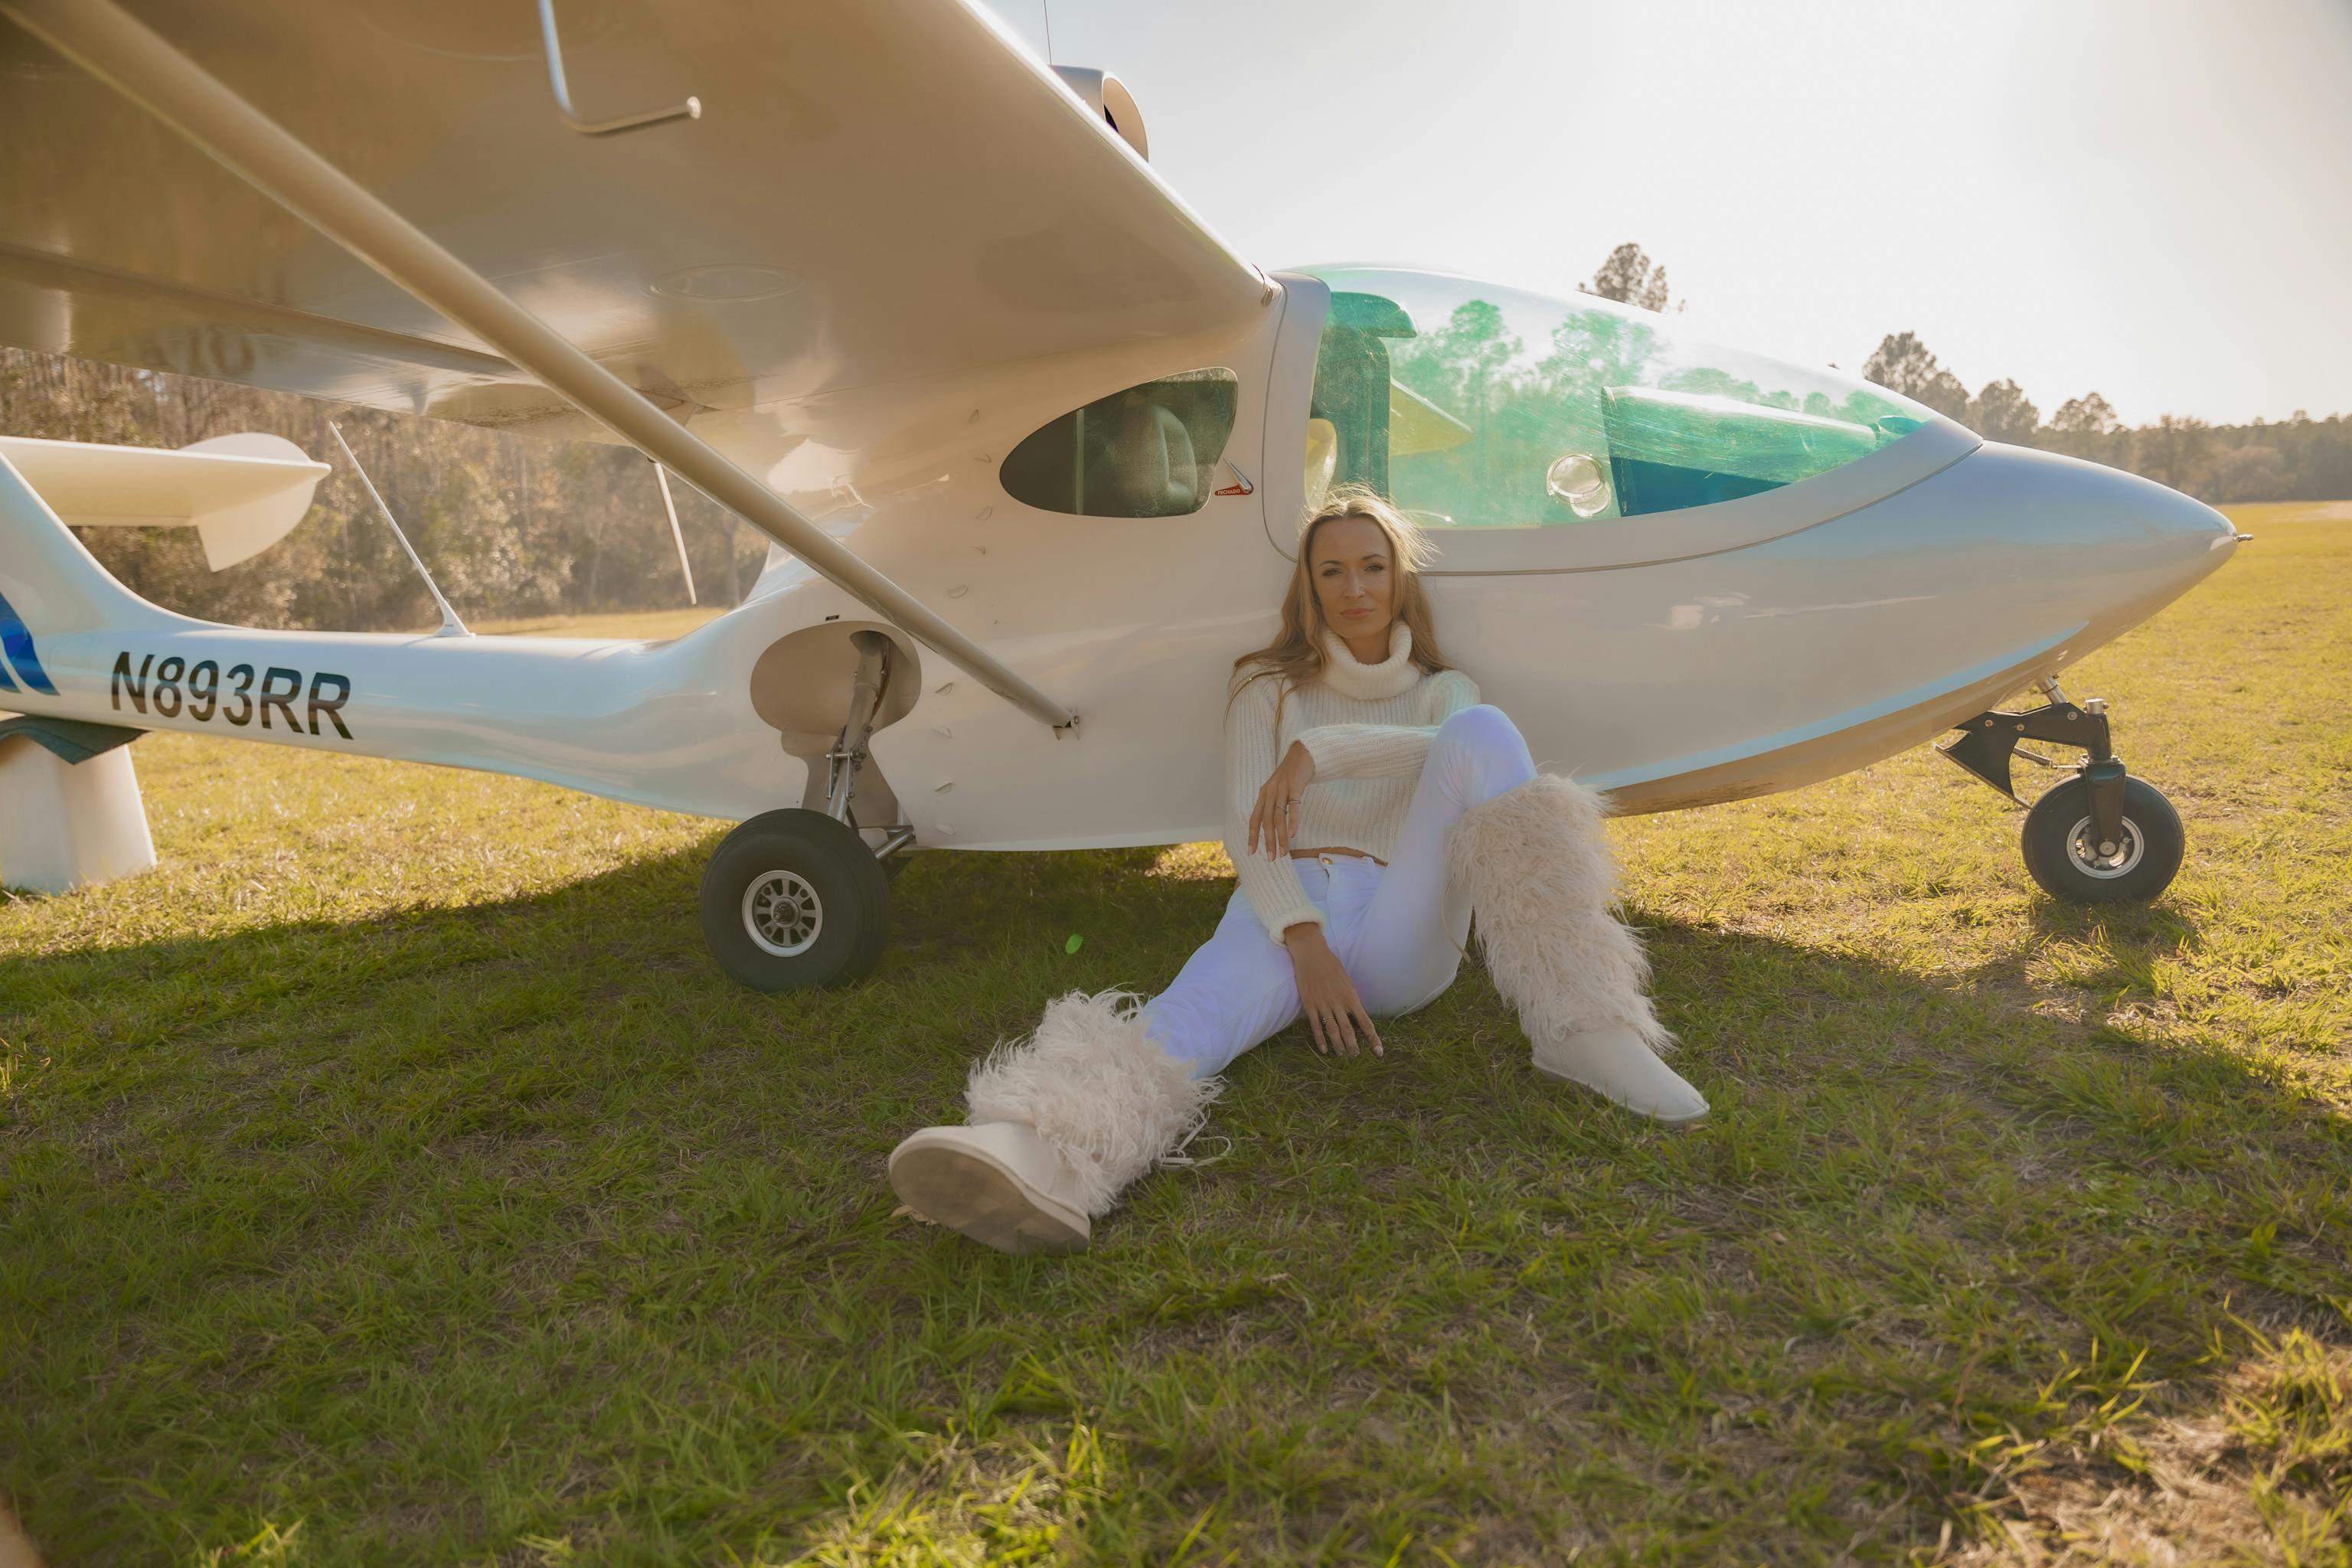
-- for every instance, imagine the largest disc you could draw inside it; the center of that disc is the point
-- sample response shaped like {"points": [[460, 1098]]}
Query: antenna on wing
{"points": [[451, 626], [677, 534]]}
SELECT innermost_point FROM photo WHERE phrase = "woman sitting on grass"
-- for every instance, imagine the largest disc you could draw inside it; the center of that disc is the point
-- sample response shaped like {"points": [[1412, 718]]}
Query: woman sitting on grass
{"points": [[1372, 805]]}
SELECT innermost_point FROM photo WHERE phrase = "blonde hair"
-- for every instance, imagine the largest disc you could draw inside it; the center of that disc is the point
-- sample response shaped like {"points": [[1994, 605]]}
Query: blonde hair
{"points": [[1296, 655]]}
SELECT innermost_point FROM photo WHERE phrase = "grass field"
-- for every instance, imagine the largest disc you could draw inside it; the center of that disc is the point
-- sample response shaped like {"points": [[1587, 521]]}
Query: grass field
{"points": [[390, 1178]]}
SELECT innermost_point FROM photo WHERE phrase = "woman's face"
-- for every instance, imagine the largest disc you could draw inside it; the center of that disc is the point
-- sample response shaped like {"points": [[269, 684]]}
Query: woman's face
{"points": [[1355, 579]]}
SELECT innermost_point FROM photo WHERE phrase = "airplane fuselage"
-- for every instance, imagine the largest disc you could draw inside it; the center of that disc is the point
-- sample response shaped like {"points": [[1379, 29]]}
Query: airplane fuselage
{"points": [[1699, 652]]}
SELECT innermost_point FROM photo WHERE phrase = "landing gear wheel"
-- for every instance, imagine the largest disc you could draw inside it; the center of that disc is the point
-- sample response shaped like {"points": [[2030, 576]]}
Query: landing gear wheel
{"points": [[2061, 853], [794, 900]]}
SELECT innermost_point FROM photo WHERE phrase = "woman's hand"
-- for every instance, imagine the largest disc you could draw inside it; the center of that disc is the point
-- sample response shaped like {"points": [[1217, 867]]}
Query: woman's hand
{"points": [[1335, 1014], [1275, 816]]}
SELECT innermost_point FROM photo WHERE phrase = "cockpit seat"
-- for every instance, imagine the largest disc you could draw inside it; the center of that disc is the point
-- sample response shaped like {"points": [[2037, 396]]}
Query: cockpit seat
{"points": [[1156, 474], [1322, 459]]}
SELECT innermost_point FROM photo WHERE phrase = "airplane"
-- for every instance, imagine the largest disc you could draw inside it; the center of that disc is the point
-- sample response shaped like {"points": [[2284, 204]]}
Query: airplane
{"points": [[1031, 442]]}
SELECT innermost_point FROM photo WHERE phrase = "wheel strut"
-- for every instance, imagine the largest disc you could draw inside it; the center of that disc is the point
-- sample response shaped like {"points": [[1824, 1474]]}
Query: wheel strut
{"points": [[2110, 828], [1987, 743], [848, 759], [848, 754]]}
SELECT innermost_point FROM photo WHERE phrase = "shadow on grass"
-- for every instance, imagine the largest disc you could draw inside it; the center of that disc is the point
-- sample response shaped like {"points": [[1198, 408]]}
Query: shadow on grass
{"points": [[290, 1201], [2149, 928]]}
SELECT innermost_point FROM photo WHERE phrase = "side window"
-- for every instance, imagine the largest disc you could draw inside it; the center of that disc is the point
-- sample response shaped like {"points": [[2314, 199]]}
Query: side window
{"points": [[1150, 451]]}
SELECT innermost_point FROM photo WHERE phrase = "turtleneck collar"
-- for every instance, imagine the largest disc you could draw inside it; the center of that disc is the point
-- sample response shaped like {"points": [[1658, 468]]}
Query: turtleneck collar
{"points": [[1393, 676]]}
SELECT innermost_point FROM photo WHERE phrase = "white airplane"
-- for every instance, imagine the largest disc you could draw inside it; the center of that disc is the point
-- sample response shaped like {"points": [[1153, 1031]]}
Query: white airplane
{"points": [[1030, 440]]}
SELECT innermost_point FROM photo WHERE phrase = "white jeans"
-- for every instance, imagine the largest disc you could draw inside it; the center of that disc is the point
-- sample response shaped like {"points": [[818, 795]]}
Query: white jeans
{"points": [[1399, 930]]}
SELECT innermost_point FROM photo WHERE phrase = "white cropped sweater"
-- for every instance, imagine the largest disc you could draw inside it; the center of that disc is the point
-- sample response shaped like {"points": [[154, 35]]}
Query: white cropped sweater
{"points": [[1367, 727]]}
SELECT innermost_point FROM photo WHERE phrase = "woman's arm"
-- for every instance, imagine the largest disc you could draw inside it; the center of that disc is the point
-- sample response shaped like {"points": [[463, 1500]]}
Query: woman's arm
{"points": [[1336, 1014], [1388, 750], [1266, 875]]}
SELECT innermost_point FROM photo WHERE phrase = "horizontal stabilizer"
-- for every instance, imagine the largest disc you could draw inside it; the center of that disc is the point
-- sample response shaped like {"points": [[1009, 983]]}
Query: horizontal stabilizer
{"points": [[241, 493]]}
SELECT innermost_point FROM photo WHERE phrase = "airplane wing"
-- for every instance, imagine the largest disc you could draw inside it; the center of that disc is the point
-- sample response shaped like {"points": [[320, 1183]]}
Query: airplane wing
{"points": [[873, 190]]}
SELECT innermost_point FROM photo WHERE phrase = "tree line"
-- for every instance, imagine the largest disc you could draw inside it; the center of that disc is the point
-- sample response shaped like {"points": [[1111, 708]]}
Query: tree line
{"points": [[512, 526], [516, 527], [2298, 458]]}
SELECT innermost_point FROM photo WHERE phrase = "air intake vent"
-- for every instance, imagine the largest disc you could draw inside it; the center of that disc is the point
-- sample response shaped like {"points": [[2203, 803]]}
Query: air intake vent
{"points": [[1108, 96]]}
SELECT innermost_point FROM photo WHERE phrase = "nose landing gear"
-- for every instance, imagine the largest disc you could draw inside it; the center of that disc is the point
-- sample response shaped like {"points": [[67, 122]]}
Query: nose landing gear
{"points": [[798, 898], [2100, 837]]}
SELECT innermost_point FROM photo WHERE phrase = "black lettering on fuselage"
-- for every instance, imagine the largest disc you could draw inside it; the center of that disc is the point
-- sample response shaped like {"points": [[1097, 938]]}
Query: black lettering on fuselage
{"points": [[332, 709], [204, 686], [173, 688], [243, 675], [281, 701], [167, 686], [135, 686]]}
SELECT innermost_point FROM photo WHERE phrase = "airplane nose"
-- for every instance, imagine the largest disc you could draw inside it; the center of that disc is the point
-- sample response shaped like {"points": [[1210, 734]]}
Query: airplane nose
{"points": [[2110, 500], [2139, 544], [2168, 511]]}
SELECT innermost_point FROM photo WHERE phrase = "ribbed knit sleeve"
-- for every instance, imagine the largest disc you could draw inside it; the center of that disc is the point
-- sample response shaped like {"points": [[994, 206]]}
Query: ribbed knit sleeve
{"points": [[1386, 751], [1272, 885]]}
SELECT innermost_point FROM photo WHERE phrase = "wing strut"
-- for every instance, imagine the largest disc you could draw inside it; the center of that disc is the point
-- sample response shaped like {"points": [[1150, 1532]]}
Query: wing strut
{"points": [[106, 41], [677, 534], [451, 626]]}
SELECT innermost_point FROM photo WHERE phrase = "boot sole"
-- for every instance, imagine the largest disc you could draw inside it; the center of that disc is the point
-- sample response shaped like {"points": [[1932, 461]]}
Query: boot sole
{"points": [[970, 1193], [1544, 1071]]}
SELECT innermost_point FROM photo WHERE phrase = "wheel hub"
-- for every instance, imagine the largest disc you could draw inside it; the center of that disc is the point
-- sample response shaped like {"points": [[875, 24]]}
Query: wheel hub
{"points": [[2109, 859], [781, 913]]}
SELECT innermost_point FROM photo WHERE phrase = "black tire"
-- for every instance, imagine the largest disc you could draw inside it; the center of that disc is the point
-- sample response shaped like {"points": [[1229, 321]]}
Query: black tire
{"points": [[807, 882], [2058, 852]]}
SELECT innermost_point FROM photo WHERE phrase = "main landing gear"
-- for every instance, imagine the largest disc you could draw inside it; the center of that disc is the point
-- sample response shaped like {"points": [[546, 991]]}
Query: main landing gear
{"points": [[2100, 837], [797, 898]]}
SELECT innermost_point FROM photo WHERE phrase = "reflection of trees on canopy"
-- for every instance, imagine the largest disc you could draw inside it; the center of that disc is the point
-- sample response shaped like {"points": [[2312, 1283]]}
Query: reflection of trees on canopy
{"points": [[1466, 368], [1591, 350], [1458, 365], [1523, 414], [1859, 406]]}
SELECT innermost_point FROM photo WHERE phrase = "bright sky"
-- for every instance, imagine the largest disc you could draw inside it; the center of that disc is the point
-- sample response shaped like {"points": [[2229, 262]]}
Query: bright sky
{"points": [[2150, 198]]}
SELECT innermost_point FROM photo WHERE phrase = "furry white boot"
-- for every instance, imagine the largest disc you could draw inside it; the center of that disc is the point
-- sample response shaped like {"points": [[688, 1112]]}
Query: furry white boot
{"points": [[999, 1183], [1092, 1104], [1615, 1062], [1541, 881]]}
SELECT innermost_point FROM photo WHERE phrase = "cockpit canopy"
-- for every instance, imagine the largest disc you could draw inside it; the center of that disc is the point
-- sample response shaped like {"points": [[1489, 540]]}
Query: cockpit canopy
{"points": [[1477, 406]]}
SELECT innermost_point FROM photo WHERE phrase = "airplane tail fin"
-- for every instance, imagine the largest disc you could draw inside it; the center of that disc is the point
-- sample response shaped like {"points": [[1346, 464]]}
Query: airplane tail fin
{"points": [[49, 581]]}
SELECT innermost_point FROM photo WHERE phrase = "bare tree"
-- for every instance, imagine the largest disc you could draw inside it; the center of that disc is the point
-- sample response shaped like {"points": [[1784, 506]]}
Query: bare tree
{"points": [[2086, 426], [1630, 278], [2002, 412], [1904, 365], [2088, 415], [2250, 472], [2172, 451]]}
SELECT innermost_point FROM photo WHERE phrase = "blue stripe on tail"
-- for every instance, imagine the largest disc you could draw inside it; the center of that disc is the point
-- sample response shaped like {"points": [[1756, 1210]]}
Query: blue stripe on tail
{"points": [[18, 642]]}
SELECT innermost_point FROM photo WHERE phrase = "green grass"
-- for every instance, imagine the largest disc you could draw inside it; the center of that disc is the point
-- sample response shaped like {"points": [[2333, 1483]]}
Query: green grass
{"points": [[388, 1178]]}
